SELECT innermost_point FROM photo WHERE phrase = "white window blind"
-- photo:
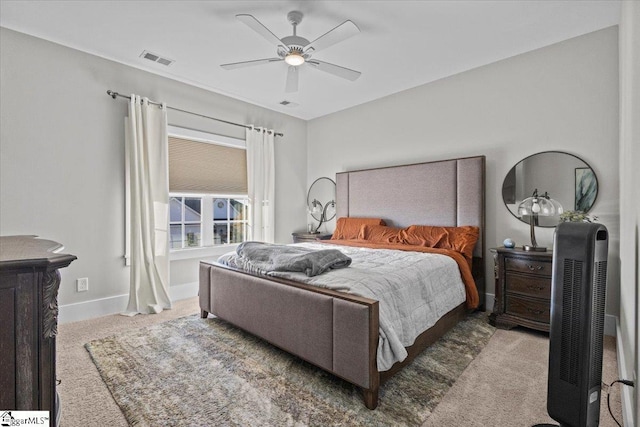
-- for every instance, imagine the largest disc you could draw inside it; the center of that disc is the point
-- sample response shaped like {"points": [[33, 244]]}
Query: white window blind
{"points": [[199, 167]]}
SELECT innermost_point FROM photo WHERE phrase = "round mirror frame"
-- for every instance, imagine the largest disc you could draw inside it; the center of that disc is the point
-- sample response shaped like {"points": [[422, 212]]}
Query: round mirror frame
{"points": [[542, 190], [309, 202]]}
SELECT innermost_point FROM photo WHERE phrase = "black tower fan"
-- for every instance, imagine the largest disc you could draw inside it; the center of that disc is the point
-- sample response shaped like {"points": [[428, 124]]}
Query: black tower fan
{"points": [[577, 323]]}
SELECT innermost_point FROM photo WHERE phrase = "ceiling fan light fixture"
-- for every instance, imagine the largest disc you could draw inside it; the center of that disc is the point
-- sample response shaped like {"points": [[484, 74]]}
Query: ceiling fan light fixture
{"points": [[295, 50], [294, 58]]}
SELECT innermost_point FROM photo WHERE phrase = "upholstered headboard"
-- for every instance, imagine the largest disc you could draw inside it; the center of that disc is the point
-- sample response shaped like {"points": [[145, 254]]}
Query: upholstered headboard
{"points": [[444, 193]]}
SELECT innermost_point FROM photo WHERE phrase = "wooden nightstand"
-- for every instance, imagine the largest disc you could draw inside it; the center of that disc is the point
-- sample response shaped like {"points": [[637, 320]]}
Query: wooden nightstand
{"points": [[309, 237], [523, 289]]}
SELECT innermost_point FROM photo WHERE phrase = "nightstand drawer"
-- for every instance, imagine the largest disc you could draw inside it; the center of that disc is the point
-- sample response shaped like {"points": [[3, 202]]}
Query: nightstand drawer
{"points": [[536, 310], [538, 287], [528, 266]]}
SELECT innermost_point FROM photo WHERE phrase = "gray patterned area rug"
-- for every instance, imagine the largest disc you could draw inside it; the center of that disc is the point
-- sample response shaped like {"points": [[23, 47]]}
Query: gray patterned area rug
{"points": [[205, 372]]}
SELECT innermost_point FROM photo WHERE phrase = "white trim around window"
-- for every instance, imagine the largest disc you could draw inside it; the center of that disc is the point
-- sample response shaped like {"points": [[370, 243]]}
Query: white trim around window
{"points": [[203, 252], [209, 138]]}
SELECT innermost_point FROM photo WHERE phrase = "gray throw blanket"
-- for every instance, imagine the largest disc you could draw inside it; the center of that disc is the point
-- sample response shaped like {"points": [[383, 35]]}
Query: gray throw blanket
{"points": [[263, 258]]}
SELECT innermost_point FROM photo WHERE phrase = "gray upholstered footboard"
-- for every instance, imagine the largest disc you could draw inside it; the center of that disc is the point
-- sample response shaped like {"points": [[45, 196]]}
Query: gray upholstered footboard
{"points": [[335, 331]]}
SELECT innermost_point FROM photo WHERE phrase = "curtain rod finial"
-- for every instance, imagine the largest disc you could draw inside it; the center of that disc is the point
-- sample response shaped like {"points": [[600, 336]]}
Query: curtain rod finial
{"points": [[112, 93]]}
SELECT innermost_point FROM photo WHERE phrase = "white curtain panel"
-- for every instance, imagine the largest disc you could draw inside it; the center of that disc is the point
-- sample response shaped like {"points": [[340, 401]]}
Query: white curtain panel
{"points": [[261, 183], [147, 152]]}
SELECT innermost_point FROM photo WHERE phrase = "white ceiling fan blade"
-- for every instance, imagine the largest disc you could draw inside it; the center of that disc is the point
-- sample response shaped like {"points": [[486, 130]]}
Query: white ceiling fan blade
{"points": [[292, 79], [338, 34], [336, 70], [234, 65], [257, 26]]}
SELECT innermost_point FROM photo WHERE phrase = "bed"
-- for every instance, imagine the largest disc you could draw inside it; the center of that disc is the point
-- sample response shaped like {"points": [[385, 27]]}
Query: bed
{"points": [[337, 331]]}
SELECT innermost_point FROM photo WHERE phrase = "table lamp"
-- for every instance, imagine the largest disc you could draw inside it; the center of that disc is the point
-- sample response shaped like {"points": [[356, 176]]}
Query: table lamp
{"points": [[534, 207], [317, 207]]}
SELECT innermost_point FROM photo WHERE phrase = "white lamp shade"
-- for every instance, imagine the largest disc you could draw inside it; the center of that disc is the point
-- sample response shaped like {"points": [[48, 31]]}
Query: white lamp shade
{"points": [[331, 208], [537, 206], [559, 208], [540, 206]]}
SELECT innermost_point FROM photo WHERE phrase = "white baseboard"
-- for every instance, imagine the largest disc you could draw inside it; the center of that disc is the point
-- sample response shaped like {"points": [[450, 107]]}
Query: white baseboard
{"points": [[94, 308], [184, 291], [489, 301], [627, 392], [610, 327], [610, 321], [116, 304]]}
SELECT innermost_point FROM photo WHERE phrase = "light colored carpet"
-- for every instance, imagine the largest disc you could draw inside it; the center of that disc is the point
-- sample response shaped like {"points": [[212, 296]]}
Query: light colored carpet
{"points": [[193, 371], [484, 395], [506, 385]]}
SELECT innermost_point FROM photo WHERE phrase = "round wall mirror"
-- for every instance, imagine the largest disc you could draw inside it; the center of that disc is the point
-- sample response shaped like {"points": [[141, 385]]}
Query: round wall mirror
{"points": [[564, 177], [321, 199]]}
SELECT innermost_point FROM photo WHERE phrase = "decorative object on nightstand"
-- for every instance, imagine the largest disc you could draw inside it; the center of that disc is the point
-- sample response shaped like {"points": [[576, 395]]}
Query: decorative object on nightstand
{"points": [[534, 207], [577, 216], [321, 203], [309, 237], [508, 243], [523, 289]]}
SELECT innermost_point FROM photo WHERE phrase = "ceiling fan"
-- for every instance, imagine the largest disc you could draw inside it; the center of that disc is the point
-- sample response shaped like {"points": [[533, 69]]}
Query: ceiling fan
{"points": [[297, 51]]}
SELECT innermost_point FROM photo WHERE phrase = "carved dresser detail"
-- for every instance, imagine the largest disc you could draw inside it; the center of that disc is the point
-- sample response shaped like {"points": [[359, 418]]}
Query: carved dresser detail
{"points": [[523, 289], [29, 282]]}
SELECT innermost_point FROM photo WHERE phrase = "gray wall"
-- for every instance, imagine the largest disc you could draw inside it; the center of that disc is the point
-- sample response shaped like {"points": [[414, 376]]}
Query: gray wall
{"points": [[62, 155], [628, 339], [562, 97]]}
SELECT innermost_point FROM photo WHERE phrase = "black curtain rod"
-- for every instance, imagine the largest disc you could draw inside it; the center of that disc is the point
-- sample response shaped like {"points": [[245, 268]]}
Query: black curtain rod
{"points": [[114, 95]]}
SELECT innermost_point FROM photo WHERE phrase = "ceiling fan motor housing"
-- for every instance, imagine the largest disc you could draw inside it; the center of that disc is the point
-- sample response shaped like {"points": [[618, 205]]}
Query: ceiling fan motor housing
{"points": [[295, 43], [295, 17]]}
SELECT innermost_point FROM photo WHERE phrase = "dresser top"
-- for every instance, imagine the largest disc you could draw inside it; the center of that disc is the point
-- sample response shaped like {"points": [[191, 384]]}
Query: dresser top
{"points": [[519, 251], [21, 251]]}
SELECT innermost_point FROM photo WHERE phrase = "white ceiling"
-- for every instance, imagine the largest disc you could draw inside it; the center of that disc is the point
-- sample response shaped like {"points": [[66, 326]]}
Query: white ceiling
{"points": [[402, 44]]}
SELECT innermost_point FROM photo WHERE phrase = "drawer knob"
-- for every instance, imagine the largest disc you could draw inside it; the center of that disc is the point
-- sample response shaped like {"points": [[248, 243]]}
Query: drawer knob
{"points": [[535, 288], [535, 267], [532, 311]]}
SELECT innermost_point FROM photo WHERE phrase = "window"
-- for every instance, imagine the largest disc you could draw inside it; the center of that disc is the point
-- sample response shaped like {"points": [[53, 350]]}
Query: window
{"points": [[230, 220], [185, 222], [207, 189]]}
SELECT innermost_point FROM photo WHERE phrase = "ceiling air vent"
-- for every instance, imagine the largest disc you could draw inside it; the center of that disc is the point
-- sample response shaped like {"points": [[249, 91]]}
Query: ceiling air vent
{"points": [[156, 58], [288, 103]]}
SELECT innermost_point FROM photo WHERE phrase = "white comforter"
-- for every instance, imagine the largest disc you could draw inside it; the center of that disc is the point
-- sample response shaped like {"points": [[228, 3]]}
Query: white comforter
{"points": [[413, 289]]}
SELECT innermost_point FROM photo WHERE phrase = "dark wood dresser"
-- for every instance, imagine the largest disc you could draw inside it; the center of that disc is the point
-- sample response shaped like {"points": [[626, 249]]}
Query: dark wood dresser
{"points": [[29, 281], [523, 289]]}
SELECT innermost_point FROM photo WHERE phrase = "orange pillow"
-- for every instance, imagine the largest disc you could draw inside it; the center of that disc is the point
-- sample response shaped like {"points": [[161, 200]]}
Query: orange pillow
{"points": [[380, 234], [461, 239], [349, 227]]}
